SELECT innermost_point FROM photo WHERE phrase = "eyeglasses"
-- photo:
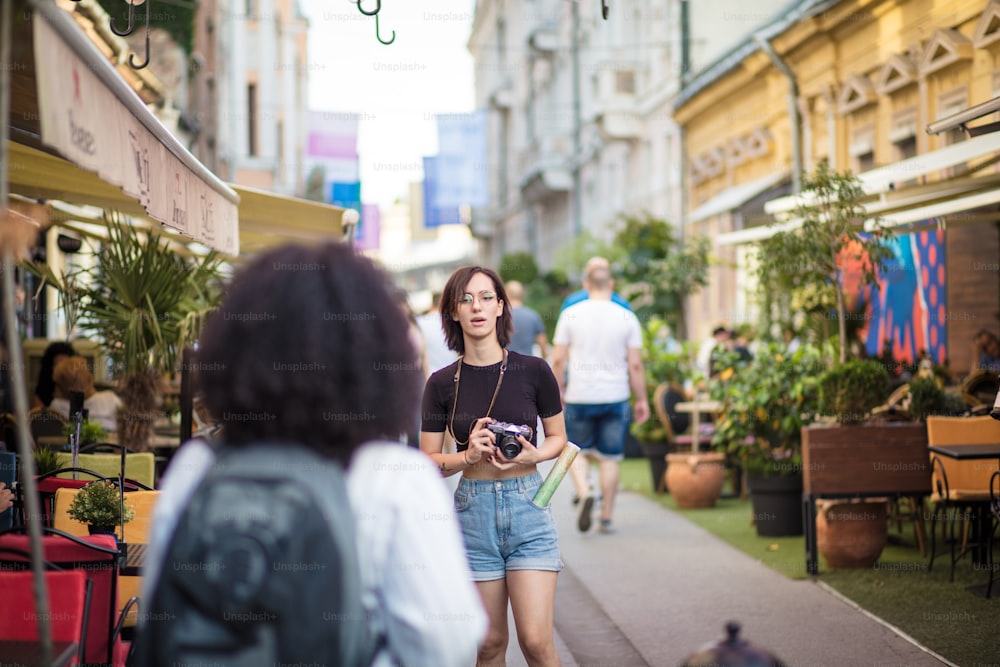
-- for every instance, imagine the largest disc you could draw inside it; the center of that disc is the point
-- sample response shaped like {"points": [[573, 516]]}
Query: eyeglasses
{"points": [[486, 297]]}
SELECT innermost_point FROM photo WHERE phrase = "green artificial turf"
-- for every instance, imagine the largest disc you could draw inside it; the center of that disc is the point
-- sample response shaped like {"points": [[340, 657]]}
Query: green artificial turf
{"points": [[943, 616]]}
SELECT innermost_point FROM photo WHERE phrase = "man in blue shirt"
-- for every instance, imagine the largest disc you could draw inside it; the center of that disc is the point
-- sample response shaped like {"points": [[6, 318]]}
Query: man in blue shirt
{"points": [[529, 329], [582, 295]]}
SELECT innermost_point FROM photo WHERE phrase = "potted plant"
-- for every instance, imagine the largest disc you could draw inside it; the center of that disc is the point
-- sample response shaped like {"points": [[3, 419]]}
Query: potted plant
{"points": [[765, 405], [664, 363], [99, 505], [145, 303], [90, 432]]}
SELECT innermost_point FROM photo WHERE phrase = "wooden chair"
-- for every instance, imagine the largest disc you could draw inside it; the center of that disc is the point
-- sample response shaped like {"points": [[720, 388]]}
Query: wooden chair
{"points": [[67, 596], [136, 532], [959, 486], [991, 564], [675, 441]]}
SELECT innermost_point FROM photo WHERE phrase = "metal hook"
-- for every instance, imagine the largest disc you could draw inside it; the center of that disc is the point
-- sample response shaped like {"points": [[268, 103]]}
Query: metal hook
{"points": [[604, 9], [131, 56], [378, 36], [378, 8], [131, 22]]}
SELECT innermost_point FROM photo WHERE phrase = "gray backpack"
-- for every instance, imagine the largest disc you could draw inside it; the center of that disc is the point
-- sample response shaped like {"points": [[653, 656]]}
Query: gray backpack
{"points": [[262, 568]]}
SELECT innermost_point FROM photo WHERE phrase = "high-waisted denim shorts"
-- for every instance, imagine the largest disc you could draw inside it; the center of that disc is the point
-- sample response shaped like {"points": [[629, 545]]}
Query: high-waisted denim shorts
{"points": [[503, 529]]}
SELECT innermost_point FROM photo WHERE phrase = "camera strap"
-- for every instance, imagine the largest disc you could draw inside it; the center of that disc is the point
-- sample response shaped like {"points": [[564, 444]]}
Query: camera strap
{"points": [[454, 403]]}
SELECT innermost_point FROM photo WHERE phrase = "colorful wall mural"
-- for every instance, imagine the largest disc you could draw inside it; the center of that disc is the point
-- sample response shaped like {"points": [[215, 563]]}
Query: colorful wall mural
{"points": [[909, 311]]}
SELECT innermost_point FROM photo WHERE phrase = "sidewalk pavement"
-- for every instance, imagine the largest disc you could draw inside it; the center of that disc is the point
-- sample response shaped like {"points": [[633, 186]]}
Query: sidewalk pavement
{"points": [[660, 588]]}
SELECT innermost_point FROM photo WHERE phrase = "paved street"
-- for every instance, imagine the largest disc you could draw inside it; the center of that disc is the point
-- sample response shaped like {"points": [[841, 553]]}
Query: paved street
{"points": [[661, 587]]}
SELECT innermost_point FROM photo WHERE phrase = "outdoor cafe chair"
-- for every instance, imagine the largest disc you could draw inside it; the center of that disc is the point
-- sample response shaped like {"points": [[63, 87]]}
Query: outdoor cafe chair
{"points": [[136, 532], [97, 556], [960, 488], [67, 613]]}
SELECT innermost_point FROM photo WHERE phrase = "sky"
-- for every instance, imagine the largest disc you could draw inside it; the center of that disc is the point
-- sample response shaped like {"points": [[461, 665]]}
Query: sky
{"points": [[396, 89]]}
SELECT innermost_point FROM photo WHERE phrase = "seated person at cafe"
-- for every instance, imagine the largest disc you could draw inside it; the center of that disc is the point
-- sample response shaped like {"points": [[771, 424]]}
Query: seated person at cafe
{"points": [[986, 352], [71, 374]]}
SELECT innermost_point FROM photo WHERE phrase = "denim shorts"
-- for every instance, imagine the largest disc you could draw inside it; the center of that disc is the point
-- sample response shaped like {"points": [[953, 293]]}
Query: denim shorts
{"points": [[503, 530], [600, 426]]}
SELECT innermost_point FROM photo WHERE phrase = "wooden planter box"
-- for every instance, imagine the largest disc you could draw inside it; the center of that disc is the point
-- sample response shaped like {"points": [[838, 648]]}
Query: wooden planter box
{"points": [[866, 459]]}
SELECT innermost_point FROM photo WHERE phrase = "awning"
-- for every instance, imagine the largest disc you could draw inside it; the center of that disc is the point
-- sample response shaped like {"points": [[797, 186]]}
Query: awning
{"points": [[79, 133], [735, 197], [884, 179], [267, 219], [942, 202]]}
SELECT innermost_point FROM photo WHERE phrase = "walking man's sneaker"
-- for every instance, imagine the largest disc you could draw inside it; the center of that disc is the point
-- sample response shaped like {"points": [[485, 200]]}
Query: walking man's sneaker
{"points": [[586, 507], [606, 527]]}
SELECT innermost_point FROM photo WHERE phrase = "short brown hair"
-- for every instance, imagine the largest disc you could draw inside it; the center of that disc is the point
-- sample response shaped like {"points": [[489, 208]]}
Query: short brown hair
{"points": [[452, 295], [72, 374]]}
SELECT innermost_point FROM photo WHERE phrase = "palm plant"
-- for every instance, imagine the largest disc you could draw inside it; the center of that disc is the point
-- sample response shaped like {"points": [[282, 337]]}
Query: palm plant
{"points": [[145, 303]]}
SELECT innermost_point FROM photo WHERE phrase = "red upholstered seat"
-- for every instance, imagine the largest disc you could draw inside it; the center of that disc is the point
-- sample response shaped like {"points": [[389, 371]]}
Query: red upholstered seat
{"points": [[67, 596], [94, 555]]}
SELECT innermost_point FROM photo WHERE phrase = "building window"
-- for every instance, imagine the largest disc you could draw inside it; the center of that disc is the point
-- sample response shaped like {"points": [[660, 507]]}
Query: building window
{"points": [[625, 82], [251, 8], [252, 119]]}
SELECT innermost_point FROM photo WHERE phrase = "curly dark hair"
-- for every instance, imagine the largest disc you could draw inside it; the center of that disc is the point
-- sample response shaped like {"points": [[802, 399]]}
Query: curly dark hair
{"points": [[46, 386], [452, 295], [310, 345]]}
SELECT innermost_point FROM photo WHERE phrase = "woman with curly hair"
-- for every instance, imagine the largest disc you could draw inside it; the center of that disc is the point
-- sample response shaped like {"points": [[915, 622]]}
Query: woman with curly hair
{"points": [[511, 543], [310, 348]]}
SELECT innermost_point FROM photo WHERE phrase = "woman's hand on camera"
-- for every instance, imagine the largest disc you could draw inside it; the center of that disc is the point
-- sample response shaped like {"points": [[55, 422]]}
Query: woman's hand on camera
{"points": [[527, 456], [481, 442]]}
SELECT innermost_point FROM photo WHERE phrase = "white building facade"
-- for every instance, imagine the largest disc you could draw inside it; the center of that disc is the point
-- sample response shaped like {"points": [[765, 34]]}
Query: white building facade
{"points": [[581, 126]]}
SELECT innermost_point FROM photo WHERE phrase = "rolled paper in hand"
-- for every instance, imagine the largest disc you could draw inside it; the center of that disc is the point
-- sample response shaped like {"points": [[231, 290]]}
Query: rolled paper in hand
{"points": [[556, 474]]}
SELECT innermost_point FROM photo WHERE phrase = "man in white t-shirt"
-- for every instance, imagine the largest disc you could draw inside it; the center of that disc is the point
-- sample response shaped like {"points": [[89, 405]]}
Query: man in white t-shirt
{"points": [[599, 343]]}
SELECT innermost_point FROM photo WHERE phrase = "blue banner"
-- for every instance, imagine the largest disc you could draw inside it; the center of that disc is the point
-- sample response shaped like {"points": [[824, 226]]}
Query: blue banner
{"points": [[434, 215], [461, 164]]}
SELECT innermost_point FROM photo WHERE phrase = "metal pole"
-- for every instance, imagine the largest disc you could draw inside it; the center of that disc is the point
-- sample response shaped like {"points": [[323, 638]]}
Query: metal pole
{"points": [[27, 487], [577, 142]]}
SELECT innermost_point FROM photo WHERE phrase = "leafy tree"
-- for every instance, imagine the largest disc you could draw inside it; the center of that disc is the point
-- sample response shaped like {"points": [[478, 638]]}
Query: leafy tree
{"points": [[542, 292], [659, 272], [519, 266], [808, 262]]}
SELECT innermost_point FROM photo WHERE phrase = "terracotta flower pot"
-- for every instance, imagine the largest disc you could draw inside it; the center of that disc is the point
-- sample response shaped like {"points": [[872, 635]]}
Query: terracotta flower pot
{"points": [[695, 480], [851, 534]]}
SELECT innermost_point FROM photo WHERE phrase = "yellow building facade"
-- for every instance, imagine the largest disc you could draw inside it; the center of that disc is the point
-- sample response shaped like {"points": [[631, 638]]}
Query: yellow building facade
{"points": [[861, 85]]}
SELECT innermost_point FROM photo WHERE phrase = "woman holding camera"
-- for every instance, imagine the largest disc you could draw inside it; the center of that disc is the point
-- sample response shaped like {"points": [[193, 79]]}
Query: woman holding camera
{"points": [[511, 544]]}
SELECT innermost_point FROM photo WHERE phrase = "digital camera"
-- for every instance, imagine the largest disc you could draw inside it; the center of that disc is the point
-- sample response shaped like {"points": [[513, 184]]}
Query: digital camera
{"points": [[506, 435]]}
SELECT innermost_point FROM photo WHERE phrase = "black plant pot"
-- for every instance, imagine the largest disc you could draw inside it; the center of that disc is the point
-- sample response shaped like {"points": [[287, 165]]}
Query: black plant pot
{"points": [[777, 505], [656, 454]]}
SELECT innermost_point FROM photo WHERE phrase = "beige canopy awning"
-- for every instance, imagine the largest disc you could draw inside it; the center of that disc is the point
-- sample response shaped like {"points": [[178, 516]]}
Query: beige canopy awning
{"points": [[81, 134]]}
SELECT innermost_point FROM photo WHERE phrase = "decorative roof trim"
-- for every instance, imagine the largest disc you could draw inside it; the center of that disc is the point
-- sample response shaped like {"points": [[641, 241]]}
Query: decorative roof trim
{"points": [[856, 93], [900, 71], [947, 47], [988, 28]]}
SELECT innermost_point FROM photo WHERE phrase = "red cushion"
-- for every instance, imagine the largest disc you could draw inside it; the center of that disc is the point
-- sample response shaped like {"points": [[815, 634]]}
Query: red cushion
{"points": [[66, 594], [101, 570]]}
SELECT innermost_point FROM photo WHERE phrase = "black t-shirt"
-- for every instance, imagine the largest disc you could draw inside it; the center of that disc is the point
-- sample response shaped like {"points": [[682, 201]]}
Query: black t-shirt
{"points": [[529, 390]]}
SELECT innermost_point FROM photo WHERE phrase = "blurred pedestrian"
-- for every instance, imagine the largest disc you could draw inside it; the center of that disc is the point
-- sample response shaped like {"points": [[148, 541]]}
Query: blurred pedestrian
{"points": [[439, 354], [528, 327], [582, 294], [600, 345], [352, 388]]}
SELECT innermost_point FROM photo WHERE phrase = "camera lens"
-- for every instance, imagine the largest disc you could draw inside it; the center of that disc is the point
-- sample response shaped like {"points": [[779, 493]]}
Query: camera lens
{"points": [[510, 446]]}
